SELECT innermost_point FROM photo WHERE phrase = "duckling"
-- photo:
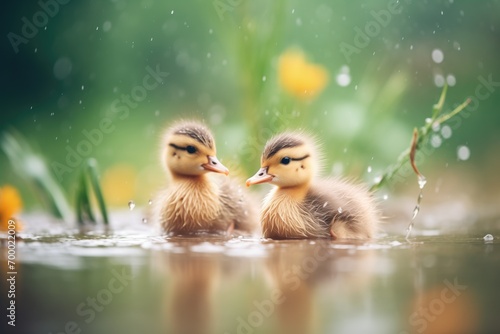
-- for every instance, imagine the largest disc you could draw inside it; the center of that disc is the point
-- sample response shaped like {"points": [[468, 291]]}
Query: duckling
{"points": [[198, 198], [300, 206]]}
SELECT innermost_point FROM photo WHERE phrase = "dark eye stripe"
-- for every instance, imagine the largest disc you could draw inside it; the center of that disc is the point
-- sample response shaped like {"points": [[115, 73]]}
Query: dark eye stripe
{"points": [[190, 149]]}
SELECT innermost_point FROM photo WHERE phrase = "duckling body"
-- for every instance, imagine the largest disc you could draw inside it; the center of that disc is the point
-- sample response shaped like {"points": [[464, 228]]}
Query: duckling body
{"points": [[301, 206], [197, 198]]}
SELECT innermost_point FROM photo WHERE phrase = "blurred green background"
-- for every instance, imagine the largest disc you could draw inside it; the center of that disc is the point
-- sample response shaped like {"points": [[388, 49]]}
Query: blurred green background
{"points": [[222, 62]]}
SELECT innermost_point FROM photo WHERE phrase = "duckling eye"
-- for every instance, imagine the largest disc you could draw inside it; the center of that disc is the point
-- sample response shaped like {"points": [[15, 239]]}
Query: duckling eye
{"points": [[286, 160], [191, 149]]}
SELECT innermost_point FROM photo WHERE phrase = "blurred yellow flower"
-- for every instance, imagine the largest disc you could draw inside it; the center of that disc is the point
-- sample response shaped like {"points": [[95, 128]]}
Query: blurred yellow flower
{"points": [[10, 204], [299, 77], [118, 184]]}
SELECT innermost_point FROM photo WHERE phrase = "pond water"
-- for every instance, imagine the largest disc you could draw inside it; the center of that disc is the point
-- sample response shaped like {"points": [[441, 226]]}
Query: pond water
{"points": [[132, 280]]}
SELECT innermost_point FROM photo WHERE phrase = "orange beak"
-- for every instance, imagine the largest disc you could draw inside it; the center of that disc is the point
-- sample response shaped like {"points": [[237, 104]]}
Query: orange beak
{"points": [[260, 177], [214, 165]]}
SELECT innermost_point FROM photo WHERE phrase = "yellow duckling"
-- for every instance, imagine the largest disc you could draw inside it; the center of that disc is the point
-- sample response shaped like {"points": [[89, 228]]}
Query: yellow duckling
{"points": [[302, 207], [197, 199]]}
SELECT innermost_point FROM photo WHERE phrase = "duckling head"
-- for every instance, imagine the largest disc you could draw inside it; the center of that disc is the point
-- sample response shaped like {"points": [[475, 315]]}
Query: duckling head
{"points": [[289, 160], [189, 150]]}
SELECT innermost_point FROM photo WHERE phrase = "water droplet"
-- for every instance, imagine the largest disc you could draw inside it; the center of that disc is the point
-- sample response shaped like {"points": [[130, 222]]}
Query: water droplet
{"points": [[80, 102], [421, 181], [416, 210], [456, 46], [36, 50], [369, 169], [83, 87], [293, 11], [97, 28], [463, 153], [343, 79], [264, 78], [210, 31], [298, 21], [172, 12], [150, 202], [439, 80], [436, 140], [51, 114], [325, 204], [446, 132], [451, 80], [436, 126], [339, 210], [428, 120], [144, 220], [106, 26], [488, 237], [411, 47], [442, 13], [151, 39], [437, 56], [131, 205], [385, 197]]}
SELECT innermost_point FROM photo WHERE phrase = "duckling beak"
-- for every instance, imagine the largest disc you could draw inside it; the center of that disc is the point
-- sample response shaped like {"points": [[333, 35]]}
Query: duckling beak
{"points": [[214, 165], [260, 177]]}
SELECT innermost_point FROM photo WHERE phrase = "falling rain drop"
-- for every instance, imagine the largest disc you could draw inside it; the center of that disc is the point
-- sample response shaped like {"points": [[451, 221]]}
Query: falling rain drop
{"points": [[144, 220], [436, 140], [488, 237], [172, 12], [422, 181], [463, 153], [439, 80], [446, 132], [264, 78], [325, 204], [339, 210], [369, 169], [131, 205], [437, 56], [150, 202], [385, 197], [451, 80]]}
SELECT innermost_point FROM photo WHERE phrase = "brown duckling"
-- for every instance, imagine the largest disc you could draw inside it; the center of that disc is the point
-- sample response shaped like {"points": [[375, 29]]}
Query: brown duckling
{"points": [[301, 206], [198, 198]]}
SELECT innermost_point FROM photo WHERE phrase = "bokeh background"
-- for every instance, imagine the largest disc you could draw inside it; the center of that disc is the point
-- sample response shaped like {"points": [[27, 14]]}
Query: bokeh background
{"points": [[225, 61]]}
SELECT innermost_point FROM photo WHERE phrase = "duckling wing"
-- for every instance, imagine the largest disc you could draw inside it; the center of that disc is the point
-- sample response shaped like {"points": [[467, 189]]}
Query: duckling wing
{"points": [[346, 207]]}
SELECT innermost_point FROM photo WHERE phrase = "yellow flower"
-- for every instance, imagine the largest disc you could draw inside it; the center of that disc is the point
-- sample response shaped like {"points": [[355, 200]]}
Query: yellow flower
{"points": [[299, 77], [118, 184], [10, 204]]}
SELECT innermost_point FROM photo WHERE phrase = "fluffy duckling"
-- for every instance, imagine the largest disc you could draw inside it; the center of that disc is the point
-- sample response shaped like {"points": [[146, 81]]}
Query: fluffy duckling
{"points": [[197, 199], [302, 207]]}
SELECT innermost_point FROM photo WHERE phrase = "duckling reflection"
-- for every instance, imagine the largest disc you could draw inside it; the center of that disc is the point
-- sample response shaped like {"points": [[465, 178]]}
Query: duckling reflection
{"points": [[297, 270], [301, 207], [197, 199], [189, 298]]}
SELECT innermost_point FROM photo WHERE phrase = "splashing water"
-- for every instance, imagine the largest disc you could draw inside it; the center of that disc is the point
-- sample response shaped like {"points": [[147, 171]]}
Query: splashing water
{"points": [[421, 184], [488, 237]]}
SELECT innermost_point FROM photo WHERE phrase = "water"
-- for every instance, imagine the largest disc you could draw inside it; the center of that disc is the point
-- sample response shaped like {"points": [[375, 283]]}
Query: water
{"points": [[132, 279], [421, 184]]}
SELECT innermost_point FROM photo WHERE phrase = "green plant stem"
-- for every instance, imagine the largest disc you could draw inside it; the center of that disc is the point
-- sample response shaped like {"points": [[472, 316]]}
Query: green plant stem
{"points": [[422, 135]]}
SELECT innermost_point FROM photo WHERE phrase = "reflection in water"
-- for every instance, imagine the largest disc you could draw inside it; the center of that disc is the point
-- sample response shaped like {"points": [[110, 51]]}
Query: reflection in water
{"points": [[297, 269], [188, 299]]}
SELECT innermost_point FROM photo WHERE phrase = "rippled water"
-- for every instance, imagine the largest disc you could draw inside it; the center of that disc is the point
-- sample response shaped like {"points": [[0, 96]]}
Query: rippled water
{"points": [[132, 280]]}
